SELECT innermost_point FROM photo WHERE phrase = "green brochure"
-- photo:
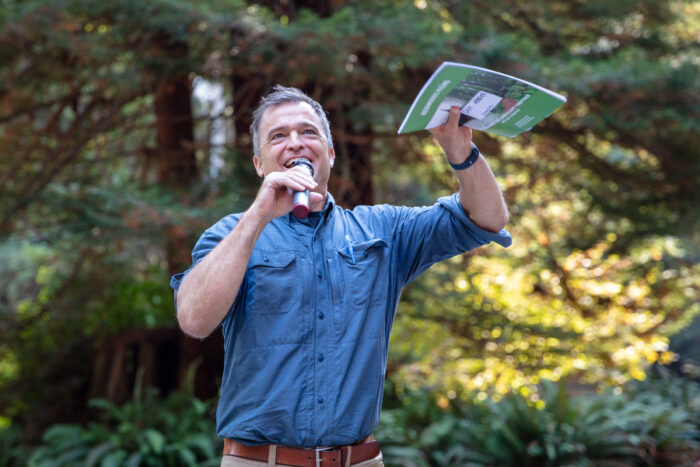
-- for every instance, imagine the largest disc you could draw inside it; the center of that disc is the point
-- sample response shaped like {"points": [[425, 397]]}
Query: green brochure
{"points": [[490, 101]]}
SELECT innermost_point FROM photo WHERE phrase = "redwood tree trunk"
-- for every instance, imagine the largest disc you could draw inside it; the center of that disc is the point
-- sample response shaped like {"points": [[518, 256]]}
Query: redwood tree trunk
{"points": [[175, 157], [177, 168], [177, 165]]}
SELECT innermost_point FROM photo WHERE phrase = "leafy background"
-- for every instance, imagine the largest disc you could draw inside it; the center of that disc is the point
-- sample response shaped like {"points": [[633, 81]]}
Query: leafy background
{"points": [[123, 135]]}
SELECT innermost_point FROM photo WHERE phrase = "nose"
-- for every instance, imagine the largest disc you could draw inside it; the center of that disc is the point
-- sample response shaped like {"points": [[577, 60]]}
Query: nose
{"points": [[295, 142]]}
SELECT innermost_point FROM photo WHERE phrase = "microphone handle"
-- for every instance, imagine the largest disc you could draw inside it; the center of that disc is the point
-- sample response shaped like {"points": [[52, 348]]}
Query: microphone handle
{"points": [[300, 204]]}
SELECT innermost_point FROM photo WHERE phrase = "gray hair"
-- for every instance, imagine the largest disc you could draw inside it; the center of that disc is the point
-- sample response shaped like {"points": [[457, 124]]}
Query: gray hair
{"points": [[283, 95]]}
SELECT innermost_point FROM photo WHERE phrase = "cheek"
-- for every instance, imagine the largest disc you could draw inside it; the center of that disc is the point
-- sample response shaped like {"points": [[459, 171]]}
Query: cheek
{"points": [[263, 165]]}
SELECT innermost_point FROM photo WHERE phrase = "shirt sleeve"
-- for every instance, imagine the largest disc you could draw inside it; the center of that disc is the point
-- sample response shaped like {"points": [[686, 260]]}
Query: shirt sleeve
{"points": [[207, 242], [431, 234]]}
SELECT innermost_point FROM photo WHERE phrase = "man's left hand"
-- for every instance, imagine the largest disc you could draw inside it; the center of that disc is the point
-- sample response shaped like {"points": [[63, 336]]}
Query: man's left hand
{"points": [[479, 193], [455, 140]]}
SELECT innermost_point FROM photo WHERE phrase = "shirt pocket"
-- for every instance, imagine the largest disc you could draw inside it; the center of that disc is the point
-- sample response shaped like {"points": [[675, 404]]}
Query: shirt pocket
{"points": [[273, 289], [361, 265]]}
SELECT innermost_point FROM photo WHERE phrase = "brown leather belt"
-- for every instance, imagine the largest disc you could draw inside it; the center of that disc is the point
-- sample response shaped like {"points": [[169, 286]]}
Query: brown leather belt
{"points": [[364, 450]]}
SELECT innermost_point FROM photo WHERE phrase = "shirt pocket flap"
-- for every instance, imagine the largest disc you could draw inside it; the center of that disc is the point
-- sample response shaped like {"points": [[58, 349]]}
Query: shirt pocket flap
{"points": [[361, 249], [271, 284], [274, 259]]}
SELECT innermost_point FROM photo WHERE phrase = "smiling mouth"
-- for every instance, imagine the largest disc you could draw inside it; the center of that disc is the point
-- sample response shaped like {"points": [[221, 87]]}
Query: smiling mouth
{"points": [[290, 163]]}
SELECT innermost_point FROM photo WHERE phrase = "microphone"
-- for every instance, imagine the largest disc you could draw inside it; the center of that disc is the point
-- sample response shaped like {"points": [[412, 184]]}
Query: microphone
{"points": [[300, 207]]}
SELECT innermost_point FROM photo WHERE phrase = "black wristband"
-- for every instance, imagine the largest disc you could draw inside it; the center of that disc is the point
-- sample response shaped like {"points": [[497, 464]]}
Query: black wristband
{"points": [[473, 157]]}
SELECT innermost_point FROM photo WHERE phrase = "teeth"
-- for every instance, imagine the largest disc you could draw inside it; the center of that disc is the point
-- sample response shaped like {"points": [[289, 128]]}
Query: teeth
{"points": [[291, 162]]}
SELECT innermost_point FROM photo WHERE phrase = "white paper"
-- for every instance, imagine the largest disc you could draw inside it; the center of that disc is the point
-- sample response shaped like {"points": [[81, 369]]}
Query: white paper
{"points": [[481, 105]]}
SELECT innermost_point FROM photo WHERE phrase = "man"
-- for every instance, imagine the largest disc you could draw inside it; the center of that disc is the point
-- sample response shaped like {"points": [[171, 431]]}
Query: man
{"points": [[306, 305]]}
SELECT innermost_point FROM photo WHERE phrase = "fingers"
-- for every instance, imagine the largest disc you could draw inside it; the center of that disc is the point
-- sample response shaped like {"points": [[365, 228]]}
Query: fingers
{"points": [[274, 197], [302, 177], [450, 125], [296, 179], [456, 141]]}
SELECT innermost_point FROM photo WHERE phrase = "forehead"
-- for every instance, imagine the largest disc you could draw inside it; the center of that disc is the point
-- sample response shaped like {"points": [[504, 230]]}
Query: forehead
{"points": [[288, 114]]}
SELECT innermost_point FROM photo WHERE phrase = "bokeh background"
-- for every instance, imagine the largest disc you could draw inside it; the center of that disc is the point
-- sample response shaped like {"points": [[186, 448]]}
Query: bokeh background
{"points": [[124, 134]]}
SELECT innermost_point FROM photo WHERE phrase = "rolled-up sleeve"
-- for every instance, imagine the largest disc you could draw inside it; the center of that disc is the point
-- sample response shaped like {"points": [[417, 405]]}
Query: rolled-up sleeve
{"points": [[481, 236], [431, 234]]}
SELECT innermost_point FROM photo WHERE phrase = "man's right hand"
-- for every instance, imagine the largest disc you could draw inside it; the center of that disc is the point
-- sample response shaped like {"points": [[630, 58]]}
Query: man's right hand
{"points": [[208, 291], [276, 193]]}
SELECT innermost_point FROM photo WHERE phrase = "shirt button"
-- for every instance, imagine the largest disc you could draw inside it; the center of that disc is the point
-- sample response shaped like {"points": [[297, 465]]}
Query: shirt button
{"points": [[319, 274], [320, 399], [320, 357], [321, 315]]}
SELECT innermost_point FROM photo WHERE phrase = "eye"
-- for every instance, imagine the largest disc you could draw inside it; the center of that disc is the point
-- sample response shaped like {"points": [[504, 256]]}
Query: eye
{"points": [[310, 131], [276, 136]]}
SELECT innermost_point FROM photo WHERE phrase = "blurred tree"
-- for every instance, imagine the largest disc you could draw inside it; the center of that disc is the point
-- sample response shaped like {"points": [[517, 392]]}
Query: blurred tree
{"points": [[109, 172], [99, 167], [603, 205]]}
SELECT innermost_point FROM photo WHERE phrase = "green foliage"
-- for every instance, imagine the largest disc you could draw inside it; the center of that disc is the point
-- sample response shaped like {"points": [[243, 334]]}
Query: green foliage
{"points": [[651, 423], [602, 195], [678, 392], [11, 450], [48, 319], [146, 431], [644, 426]]}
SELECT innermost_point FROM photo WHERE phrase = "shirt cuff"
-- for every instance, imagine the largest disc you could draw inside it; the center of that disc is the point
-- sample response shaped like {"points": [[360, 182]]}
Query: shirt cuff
{"points": [[452, 204]]}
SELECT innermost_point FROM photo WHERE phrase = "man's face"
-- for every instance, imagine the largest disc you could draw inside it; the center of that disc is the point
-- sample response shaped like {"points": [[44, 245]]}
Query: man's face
{"points": [[291, 131]]}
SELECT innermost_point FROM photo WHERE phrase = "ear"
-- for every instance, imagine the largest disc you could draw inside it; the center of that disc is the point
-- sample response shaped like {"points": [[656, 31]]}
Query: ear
{"points": [[258, 166], [331, 156]]}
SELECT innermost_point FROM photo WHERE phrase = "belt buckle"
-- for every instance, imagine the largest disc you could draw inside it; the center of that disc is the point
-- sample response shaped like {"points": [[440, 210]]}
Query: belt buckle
{"points": [[319, 450], [318, 455]]}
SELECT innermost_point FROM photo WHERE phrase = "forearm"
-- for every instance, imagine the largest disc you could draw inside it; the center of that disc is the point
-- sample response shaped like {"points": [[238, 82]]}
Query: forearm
{"points": [[208, 291], [479, 193], [481, 196]]}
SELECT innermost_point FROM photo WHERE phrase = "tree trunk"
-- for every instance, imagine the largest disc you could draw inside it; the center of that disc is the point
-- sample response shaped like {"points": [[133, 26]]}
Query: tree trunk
{"points": [[177, 169], [175, 158]]}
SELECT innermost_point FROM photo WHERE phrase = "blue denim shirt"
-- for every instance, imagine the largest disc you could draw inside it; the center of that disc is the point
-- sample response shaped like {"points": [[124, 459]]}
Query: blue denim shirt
{"points": [[307, 336]]}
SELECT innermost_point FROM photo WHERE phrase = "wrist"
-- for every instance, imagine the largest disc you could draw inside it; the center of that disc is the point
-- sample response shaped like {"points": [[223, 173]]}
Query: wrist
{"points": [[468, 162], [256, 216]]}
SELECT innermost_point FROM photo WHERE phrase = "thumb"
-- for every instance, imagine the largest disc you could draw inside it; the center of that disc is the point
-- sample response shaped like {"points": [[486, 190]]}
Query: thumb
{"points": [[453, 118]]}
